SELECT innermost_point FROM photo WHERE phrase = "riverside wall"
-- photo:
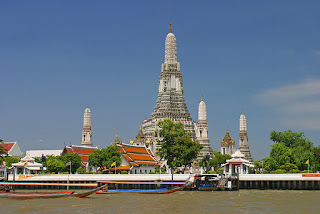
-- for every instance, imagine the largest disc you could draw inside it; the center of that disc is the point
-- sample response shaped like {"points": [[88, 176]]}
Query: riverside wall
{"points": [[246, 181], [297, 181]]}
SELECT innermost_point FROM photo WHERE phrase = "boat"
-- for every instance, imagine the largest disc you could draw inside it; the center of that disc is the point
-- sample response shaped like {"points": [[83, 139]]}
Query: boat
{"points": [[87, 193], [32, 195], [142, 191]]}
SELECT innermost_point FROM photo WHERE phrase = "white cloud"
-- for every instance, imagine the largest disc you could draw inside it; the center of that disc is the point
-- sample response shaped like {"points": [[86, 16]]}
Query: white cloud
{"points": [[297, 105], [317, 52]]}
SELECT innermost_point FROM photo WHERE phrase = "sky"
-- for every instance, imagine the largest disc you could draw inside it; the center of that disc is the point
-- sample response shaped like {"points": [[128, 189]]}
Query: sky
{"points": [[262, 57]]}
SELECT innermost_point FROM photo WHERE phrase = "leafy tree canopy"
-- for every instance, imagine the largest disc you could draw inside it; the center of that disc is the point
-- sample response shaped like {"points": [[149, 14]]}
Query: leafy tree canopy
{"points": [[289, 147], [55, 164], [2, 150], [75, 160], [10, 160], [105, 157], [176, 145]]}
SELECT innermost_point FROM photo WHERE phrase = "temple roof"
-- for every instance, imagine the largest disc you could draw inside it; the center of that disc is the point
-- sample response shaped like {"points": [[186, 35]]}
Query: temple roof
{"points": [[227, 140], [140, 137], [82, 151], [137, 155]]}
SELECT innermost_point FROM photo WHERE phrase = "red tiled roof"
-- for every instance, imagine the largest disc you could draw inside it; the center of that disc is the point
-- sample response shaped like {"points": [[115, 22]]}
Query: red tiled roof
{"points": [[121, 167], [135, 149], [141, 157], [127, 157], [7, 146], [84, 157], [83, 151], [134, 164], [137, 155], [146, 163]]}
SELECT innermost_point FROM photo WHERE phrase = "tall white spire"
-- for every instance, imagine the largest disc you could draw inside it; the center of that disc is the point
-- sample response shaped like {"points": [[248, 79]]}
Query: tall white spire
{"points": [[243, 138], [201, 129], [202, 113], [170, 48], [243, 123], [87, 132]]}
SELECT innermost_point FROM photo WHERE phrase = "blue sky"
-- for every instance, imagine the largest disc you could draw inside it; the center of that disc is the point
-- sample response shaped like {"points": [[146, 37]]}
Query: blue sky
{"points": [[58, 56]]}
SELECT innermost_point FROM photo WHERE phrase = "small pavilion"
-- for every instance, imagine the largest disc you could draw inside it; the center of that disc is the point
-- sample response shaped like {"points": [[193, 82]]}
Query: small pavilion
{"points": [[237, 164], [27, 165]]}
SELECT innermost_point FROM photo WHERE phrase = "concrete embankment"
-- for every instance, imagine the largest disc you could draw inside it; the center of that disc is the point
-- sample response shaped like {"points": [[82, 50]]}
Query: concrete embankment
{"points": [[280, 181], [246, 181]]}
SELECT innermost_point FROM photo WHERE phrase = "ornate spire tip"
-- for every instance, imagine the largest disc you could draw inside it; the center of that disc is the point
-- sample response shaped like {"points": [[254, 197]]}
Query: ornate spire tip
{"points": [[170, 28]]}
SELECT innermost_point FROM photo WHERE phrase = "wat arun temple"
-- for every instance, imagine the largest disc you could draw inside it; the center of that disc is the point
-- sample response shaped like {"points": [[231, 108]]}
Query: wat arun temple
{"points": [[171, 105]]}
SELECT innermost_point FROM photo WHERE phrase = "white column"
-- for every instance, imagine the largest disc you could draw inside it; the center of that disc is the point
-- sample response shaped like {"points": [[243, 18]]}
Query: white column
{"points": [[241, 168]]}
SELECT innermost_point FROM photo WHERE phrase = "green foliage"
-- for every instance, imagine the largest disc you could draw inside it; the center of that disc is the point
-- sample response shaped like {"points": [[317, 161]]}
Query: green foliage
{"points": [[157, 168], [89, 172], [289, 167], [10, 160], [126, 172], [278, 171], [152, 172], [216, 161], [75, 160], [294, 171], [212, 172], [176, 145], [55, 164], [105, 157], [2, 150], [80, 170], [290, 147]]}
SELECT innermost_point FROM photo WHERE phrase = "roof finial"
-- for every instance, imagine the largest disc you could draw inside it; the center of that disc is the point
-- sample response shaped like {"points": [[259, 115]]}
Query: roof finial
{"points": [[170, 28], [227, 126], [202, 97], [242, 111], [87, 105]]}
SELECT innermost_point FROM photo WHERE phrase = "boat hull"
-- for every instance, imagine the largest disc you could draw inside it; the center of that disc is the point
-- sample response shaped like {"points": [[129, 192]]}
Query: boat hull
{"points": [[15, 195]]}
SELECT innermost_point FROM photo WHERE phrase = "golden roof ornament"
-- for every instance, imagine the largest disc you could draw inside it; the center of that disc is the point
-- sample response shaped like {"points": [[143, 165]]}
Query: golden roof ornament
{"points": [[170, 28]]}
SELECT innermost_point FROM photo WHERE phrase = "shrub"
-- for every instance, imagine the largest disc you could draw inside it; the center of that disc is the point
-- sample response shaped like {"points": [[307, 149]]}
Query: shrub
{"points": [[124, 172], [212, 172], [294, 171], [257, 172], [152, 172], [80, 170], [265, 172], [89, 172], [278, 171], [63, 172]]}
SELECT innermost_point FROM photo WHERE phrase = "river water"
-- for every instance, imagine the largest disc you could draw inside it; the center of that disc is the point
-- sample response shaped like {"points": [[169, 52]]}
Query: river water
{"points": [[243, 201]]}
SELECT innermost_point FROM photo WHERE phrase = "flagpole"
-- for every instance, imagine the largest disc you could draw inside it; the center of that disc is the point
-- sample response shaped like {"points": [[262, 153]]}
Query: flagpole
{"points": [[115, 170]]}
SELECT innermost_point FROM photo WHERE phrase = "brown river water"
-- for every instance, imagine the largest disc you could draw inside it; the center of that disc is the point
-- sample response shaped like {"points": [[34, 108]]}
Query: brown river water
{"points": [[243, 201]]}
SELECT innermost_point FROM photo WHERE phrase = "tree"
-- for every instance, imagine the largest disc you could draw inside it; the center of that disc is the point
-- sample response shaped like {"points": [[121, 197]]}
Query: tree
{"points": [[10, 160], [176, 145], [75, 160], [55, 164], [2, 149], [289, 147], [105, 157]]}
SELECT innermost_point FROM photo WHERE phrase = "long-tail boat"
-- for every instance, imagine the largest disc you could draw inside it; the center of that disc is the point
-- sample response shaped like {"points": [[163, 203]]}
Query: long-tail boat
{"points": [[31, 195], [142, 191]]}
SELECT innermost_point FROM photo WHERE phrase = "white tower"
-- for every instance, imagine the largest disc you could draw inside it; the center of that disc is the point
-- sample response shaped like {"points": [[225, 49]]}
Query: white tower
{"points": [[170, 103], [201, 129], [243, 138], [87, 132]]}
